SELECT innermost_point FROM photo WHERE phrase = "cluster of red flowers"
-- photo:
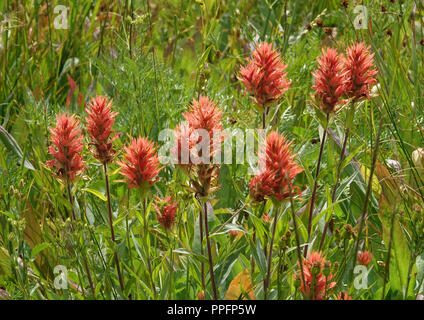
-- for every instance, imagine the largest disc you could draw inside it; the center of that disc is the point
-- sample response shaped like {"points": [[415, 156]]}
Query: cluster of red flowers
{"points": [[330, 79], [364, 257], [141, 163], [203, 117], [99, 125], [279, 172], [338, 76], [360, 71], [264, 76], [166, 210], [318, 277], [67, 147]]}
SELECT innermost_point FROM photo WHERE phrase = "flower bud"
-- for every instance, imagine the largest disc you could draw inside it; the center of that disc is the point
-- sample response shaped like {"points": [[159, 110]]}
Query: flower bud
{"points": [[327, 268], [418, 159], [201, 295], [316, 268]]}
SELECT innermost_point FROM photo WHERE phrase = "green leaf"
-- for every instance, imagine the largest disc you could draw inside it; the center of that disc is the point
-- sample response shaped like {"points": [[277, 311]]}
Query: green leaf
{"points": [[96, 193], [13, 146], [38, 248], [258, 254]]}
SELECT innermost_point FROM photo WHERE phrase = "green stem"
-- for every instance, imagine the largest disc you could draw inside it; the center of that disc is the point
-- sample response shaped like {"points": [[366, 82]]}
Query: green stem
{"points": [[333, 194], [202, 266], [109, 206], [274, 227], [171, 266], [215, 295], [146, 234], [367, 195], [314, 192], [296, 232], [87, 270]]}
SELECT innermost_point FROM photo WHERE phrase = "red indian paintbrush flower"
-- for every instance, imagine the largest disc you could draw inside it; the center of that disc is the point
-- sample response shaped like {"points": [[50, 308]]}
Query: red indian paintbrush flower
{"points": [[166, 211], [203, 115], [99, 125], [317, 279], [264, 76], [279, 172], [330, 80], [364, 257], [201, 132], [67, 146], [141, 163], [360, 71]]}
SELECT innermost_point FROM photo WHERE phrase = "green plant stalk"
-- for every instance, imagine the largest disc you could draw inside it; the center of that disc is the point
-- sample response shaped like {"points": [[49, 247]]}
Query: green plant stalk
{"points": [[367, 195], [296, 232], [349, 118], [90, 281], [280, 261], [333, 194], [202, 265], [171, 266], [146, 234], [412, 256], [314, 192], [274, 227], [208, 243], [115, 254], [252, 263], [389, 250]]}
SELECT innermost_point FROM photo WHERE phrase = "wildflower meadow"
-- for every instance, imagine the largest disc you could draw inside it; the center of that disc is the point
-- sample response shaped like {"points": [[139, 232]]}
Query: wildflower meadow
{"points": [[211, 150]]}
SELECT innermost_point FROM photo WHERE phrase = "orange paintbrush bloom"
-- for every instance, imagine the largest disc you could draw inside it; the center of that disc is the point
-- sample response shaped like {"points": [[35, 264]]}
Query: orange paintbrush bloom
{"points": [[204, 114], [317, 280], [67, 146], [279, 172], [166, 211], [330, 80], [141, 163], [364, 257], [264, 76], [202, 130], [360, 71], [99, 125]]}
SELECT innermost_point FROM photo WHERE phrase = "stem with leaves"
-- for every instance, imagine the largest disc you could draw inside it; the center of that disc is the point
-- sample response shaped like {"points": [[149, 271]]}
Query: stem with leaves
{"points": [[296, 233], [349, 118], [90, 281], [314, 192], [333, 194], [208, 243], [146, 234], [274, 227], [202, 266], [367, 195], [112, 231]]}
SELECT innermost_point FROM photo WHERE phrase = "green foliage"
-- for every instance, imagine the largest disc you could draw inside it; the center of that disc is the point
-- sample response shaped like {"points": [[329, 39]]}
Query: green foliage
{"points": [[153, 57]]}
